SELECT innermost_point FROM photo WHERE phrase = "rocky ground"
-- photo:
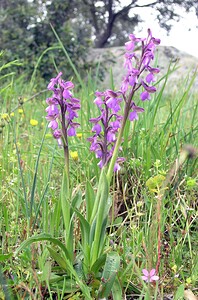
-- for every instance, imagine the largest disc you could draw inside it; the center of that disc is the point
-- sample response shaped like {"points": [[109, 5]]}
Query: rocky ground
{"points": [[113, 58]]}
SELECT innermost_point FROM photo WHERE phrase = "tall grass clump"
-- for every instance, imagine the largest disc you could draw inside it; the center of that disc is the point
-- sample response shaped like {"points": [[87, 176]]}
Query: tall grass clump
{"points": [[108, 211]]}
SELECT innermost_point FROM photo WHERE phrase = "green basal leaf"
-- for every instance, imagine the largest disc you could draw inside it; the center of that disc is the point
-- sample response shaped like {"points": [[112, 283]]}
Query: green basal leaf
{"points": [[42, 237], [179, 295], [79, 269], [102, 213], [90, 199], [63, 283], [111, 268], [99, 263], [77, 200], [46, 271], [58, 258], [117, 290]]}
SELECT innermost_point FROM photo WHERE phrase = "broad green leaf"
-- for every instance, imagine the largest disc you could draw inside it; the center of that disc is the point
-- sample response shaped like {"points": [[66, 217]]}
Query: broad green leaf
{"points": [[46, 271], [111, 268], [77, 200], [58, 258], [85, 230], [79, 269], [179, 295], [117, 290], [99, 263]]}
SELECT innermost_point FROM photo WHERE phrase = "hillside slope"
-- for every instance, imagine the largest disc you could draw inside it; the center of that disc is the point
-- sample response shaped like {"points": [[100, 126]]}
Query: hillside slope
{"points": [[113, 58]]}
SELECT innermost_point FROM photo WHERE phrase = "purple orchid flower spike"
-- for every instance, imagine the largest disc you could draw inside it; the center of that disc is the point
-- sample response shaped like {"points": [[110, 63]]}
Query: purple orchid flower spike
{"points": [[136, 65], [108, 127], [62, 109]]}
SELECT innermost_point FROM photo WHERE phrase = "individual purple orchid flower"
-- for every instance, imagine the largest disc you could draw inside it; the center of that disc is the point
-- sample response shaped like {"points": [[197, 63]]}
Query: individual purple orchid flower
{"points": [[131, 44], [150, 77], [62, 109], [54, 81], [149, 276], [134, 113], [57, 134]]}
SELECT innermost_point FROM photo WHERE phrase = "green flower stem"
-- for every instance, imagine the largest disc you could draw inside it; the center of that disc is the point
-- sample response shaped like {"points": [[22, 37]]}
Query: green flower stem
{"points": [[66, 195], [65, 146], [101, 218], [119, 139], [66, 211], [97, 199]]}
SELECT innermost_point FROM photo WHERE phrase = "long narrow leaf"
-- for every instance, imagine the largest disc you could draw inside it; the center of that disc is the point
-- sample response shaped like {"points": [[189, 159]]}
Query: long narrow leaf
{"points": [[44, 192]]}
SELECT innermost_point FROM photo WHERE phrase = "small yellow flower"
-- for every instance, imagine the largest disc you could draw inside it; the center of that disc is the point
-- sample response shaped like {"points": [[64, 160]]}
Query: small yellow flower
{"points": [[12, 114], [174, 268], [20, 110], [79, 135], [189, 280], [33, 122], [74, 155], [5, 116]]}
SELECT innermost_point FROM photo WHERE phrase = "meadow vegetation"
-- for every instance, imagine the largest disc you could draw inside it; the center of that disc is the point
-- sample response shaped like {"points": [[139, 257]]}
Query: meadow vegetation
{"points": [[56, 242]]}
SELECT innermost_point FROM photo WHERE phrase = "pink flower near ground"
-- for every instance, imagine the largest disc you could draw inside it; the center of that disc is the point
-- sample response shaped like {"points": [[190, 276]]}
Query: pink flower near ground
{"points": [[149, 276]]}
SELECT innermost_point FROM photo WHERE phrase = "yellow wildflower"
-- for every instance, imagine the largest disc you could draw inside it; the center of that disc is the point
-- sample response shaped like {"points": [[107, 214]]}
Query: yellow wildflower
{"points": [[20, 110], [189, 280], [79, 135], [174, 268], [5, 116], [74, 155], [12, 114], [33, 122]]}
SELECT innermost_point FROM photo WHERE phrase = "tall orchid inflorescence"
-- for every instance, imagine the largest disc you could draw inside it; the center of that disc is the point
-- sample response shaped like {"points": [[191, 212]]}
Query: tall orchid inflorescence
{"points": [[110, 121], [137, 64], [62, 110], [104, 138]]}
